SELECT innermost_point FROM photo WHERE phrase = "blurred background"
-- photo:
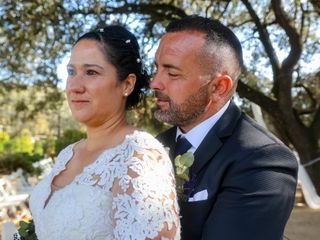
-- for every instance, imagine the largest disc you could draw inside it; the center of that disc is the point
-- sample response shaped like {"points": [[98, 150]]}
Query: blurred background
{"points": [[280, 86]]}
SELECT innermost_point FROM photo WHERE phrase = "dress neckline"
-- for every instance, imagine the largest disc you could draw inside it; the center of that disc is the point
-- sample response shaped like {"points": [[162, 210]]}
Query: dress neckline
{"points": [[70, 153]]}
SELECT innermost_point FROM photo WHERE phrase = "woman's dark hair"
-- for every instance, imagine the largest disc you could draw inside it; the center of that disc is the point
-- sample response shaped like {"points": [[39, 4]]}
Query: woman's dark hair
{"points": [[121, 49]]}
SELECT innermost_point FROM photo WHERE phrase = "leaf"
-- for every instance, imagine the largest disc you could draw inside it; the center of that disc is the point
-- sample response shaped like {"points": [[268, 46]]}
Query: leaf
{"points": [[27, 230], [187, 159], [184, 176], [181, 170], [178, 162]]}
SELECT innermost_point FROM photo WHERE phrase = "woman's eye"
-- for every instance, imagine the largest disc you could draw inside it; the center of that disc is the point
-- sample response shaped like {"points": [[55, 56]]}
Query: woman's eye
{"points": [[92, 72], [70, 72]]}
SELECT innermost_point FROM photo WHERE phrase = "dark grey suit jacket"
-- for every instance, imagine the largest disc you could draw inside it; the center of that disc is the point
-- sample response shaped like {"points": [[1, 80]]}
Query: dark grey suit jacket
{"points": [[250, 177]]}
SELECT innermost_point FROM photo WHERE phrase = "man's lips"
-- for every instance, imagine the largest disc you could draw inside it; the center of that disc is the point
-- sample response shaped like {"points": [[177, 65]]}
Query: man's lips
{"points": [[162, 99]]}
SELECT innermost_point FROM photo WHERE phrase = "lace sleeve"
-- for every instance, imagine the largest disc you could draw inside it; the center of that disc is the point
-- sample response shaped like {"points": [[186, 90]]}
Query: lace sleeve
{"points": [[144, 199]]}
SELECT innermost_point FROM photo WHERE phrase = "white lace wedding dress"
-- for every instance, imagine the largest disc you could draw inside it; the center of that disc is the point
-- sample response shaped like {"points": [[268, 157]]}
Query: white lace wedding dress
{"points": [[88, 209]]}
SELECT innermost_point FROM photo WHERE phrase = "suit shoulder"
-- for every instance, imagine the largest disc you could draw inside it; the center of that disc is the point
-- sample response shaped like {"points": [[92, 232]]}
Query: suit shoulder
{"points": [[251, 132]]}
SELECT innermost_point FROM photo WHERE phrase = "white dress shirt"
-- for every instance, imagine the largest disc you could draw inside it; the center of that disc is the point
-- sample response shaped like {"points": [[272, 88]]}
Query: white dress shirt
{"points": [[197, 134]]}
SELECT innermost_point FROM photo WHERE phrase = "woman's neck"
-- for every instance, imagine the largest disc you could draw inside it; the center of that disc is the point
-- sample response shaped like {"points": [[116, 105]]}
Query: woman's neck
{"points": [[108, 134]]}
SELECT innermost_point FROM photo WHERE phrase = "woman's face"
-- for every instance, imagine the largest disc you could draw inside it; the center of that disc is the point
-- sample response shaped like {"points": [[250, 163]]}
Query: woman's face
{"points": [[95, 96]]}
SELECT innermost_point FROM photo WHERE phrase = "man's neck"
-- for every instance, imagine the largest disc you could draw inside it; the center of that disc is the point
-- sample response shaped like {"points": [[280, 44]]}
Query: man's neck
{"points": [[204, 117], [197, 133]]}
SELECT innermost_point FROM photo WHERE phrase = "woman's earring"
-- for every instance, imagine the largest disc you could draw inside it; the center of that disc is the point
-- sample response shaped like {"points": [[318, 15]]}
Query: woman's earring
{"points": [[125, 94]]}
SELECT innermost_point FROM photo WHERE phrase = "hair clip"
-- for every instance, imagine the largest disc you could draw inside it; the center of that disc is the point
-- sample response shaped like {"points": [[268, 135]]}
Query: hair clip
{"points": [[128, 41]]}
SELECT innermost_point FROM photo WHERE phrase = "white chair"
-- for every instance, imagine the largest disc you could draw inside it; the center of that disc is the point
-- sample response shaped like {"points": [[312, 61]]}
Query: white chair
{"points": [[9, 200], [45, 165], [21, 183]]}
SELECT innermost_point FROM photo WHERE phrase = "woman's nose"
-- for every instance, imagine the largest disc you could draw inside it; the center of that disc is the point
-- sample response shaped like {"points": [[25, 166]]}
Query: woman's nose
{"points": [[75, 85]]}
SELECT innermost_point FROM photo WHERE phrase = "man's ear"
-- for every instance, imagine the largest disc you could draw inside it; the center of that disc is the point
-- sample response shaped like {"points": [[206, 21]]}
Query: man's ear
{"points": [[128, 84], [221, 86]]}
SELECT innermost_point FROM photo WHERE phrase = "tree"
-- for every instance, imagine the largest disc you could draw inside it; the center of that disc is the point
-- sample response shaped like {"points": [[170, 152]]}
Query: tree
{"points": [[280, 39]]}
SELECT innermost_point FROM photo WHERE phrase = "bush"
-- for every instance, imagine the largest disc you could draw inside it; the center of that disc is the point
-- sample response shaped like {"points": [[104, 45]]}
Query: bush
{"points": [[22, 143], [69, 136], [11, 162], [4, 140]]}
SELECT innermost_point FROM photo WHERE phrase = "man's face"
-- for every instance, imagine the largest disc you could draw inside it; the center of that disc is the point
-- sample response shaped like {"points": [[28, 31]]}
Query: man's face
{"points": [[181, 82]]}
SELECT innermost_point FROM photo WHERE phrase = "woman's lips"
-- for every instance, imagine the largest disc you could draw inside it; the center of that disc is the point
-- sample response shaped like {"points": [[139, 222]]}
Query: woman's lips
{"points": [[79, 103]]}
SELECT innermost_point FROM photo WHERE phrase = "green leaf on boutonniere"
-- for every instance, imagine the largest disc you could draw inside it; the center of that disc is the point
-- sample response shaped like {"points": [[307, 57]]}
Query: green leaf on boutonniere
{"points": [[27, 230], [183, 163], [184, 160]]}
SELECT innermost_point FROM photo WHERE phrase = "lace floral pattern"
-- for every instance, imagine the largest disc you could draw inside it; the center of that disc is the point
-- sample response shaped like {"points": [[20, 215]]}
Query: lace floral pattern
{"points": [[90, 208]]}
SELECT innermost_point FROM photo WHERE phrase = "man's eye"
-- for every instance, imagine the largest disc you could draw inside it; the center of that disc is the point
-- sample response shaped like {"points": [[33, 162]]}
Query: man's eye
{"points": [[173, 75], [92, 72]]}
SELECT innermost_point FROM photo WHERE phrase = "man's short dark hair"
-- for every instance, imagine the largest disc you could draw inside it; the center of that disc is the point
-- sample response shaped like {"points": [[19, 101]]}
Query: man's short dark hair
{"points": [[215, 32]]}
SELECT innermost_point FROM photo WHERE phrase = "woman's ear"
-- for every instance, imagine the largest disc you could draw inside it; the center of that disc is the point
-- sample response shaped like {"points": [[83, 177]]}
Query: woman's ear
{"points": [[128, 84]]}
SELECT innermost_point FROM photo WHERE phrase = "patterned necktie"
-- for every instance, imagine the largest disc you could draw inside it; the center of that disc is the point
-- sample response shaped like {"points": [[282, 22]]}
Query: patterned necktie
{"points": [[182, 146]]}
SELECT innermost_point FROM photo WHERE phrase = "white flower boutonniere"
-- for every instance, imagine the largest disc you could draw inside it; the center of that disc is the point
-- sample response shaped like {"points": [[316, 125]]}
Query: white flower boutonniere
{"points": [[183, 163]]}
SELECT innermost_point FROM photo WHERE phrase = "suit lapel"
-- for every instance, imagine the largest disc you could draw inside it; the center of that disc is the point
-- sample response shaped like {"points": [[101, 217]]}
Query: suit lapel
{"points": [[209, 146], [213, 140]]}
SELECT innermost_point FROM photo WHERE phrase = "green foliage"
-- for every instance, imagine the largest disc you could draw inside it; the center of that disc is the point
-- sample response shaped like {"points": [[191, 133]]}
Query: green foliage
{"points": [[4, 140], [38, 148], [49, 146], [22, 143], [27, 230], [10, 163], [69, 136]]}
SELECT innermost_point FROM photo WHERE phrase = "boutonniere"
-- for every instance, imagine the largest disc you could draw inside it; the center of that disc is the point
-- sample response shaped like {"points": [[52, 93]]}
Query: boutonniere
{"points": [[183, 163], [26, 231]]}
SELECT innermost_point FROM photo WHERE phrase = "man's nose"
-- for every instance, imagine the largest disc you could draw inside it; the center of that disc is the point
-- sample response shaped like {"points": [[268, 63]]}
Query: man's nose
{"points": [[156, 82]]}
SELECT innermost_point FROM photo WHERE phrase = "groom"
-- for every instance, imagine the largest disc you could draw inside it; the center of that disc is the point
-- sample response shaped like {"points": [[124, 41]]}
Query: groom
{"points": [[243, 180]]}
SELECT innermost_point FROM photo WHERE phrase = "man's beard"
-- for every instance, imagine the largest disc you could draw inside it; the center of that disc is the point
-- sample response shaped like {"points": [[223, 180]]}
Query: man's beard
{"points": [[185, 113]]}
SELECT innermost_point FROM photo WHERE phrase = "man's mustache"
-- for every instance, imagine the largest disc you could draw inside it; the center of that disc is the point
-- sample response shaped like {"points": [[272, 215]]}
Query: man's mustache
{"points": [[162, 96]]}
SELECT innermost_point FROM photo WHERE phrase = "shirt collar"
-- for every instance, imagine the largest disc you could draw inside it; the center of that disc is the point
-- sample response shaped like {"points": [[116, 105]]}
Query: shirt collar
{"points": [[197, 134]]}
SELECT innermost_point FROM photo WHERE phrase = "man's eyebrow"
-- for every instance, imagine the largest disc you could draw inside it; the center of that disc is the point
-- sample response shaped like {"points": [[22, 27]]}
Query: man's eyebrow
{"points": [[171, 66]]}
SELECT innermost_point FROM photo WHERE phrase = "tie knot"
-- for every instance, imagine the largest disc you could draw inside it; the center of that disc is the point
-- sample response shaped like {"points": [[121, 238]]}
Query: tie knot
{"points": [[182, 145]]}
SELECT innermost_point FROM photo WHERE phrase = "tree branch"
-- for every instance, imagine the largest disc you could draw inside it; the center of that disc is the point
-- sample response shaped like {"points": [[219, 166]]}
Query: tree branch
{"points": [[311, 97], [315, 125], [264, 37], [316, 5], [266, 103], [294, 38], [266, 42], [158, 12]]}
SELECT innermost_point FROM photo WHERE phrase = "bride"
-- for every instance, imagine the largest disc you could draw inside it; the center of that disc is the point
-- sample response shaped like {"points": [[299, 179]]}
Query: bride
{"points": [[118, 183]]}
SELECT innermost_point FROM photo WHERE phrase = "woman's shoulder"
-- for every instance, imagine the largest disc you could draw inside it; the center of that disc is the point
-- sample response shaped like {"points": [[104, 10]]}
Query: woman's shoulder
{"points": [[67, 150], [140, 138]]}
